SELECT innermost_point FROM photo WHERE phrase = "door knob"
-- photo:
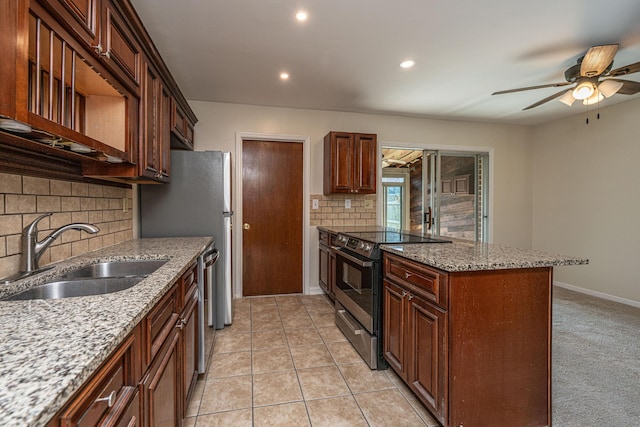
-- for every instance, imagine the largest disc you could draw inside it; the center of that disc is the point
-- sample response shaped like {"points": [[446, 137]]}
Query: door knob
{"points": [[246, 226]]}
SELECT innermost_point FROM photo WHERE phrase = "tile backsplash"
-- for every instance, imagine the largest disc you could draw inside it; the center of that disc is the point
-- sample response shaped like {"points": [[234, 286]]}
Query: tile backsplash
{"points": [[331, 209], [23, 198]]}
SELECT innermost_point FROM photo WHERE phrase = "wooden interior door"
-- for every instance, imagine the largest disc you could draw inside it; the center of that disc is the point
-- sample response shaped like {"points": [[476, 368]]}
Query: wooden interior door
{"points": [[272, 213]]}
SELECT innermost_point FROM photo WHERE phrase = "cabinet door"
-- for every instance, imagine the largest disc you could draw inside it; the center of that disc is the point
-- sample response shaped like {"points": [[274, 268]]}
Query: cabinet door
{"points": [[332, 274], [364, 167], [162, 386], [393, 324], [338, 163], [150, 150], [426, 359], [79, 16], [119, 47], [323, 267], [164, 141], [189, 348]]}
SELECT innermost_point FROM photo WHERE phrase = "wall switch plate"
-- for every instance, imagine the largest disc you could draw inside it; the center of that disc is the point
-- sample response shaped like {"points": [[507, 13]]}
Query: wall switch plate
{"points": [[315, 204], [368, 204], [347, 203]]}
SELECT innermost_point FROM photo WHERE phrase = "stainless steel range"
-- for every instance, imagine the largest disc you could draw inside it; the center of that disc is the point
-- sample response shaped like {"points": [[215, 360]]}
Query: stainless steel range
{"points": [[359, 288]]}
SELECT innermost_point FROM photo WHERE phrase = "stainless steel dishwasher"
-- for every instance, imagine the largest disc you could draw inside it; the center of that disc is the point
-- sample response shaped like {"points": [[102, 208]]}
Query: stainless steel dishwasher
{"points": [[206, 276]]}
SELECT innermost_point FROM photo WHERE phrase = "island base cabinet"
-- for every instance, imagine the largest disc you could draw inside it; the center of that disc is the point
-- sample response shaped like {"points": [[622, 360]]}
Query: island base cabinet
{"points": [[427, 326], [480, 355], [500, 350], [415, 345]]}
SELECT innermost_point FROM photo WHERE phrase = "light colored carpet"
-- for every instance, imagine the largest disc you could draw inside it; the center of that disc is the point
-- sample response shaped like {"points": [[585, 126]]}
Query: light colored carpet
{"points": [[595, 362]]}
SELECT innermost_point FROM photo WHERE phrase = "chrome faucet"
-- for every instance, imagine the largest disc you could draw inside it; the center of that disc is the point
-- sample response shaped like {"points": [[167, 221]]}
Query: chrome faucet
{"points": [[32, 249]]}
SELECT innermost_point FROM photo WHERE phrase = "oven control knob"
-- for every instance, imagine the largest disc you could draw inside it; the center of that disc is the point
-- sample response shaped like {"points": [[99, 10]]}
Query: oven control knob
{"points": [[367, 247], [361, 245]]}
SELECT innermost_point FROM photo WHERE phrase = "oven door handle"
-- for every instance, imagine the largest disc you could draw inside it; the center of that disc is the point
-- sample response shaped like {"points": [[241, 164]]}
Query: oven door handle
{"points": [[343, 314], [354, 259]]}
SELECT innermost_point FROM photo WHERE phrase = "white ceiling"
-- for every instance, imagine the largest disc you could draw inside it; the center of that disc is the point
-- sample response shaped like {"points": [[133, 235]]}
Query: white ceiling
{"points": [[346, 56]]}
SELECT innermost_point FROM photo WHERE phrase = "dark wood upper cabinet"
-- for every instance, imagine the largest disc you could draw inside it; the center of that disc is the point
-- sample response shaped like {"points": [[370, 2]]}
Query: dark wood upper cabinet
{"points": [[86, 72], [350, 163]]}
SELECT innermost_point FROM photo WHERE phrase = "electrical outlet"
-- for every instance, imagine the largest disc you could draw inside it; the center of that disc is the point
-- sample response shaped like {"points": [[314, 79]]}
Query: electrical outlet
{"points": [[347, 203], [368, 204], [315, 204]]}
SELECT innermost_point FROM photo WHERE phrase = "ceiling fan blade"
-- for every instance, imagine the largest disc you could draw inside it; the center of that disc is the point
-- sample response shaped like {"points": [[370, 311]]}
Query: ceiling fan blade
{"points": [[597, 59], [627, 69], [547, 99], [628, 87], [531, 87]]}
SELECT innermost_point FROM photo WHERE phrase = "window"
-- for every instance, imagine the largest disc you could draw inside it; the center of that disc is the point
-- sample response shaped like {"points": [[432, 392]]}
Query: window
{"points": [[394, 187]]}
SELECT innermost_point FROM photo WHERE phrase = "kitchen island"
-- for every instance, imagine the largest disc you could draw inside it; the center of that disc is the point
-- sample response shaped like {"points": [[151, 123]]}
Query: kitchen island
{"points": [[468, 327], [50, 348]]}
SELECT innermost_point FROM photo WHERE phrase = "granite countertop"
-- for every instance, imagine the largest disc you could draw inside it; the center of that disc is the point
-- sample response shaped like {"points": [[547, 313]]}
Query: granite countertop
{"points": [[49, 348], [464, 255]]}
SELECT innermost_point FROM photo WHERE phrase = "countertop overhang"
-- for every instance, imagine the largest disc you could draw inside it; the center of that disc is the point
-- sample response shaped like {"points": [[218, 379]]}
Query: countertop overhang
{"points": [[49, 348]]}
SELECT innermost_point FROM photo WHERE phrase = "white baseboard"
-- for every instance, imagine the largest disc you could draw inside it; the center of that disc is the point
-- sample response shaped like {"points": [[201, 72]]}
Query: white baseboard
{"points": [[597, 294], [315, 290]]}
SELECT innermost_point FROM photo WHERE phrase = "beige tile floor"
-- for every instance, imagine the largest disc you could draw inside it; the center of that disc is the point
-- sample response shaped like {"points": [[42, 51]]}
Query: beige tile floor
{"points": [[283, 362]]}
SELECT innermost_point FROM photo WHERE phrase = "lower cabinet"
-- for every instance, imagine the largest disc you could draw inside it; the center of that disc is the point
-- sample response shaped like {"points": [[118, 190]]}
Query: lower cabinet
{"points": [[190, 345], [111, 393], [327, 263], [148, 379], [474, 346], [162, 386], [414, 344]]}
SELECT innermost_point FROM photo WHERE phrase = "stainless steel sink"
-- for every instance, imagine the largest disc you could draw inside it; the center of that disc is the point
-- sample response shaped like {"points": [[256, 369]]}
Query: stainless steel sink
{"points": [[95, 279], [76, 288], [116, 269]]}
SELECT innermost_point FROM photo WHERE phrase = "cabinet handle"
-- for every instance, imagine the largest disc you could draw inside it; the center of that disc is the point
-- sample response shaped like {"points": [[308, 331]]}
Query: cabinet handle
{"points": [[407, 275], [410, 297], [180, 324], [404, 294], [106, 55], [97, 48], [111, 399]]}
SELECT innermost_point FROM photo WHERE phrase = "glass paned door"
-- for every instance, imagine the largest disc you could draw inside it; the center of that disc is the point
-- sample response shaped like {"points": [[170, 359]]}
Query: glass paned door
{"points": [[455, 190]]}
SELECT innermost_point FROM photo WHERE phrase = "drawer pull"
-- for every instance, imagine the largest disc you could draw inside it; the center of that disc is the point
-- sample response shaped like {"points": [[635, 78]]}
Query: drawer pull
{"points": [[407, 275], [180, 324], [410, 297], [404, 294], [111, 399], [345, 319]]}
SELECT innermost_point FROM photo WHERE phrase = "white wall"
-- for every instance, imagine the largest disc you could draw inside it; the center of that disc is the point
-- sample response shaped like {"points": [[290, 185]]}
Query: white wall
{"points": [[586, 200], [512, 186]]}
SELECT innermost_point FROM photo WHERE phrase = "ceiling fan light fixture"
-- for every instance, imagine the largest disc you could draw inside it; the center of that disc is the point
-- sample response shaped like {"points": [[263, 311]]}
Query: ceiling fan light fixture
{"points": [[567, 98], [609, 87], [584, 90], [593, 99]]}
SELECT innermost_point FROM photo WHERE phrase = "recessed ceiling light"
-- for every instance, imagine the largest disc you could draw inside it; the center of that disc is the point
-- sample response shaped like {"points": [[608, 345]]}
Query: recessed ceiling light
{"points": [[284, 76], [408, 63], [302, 15]]}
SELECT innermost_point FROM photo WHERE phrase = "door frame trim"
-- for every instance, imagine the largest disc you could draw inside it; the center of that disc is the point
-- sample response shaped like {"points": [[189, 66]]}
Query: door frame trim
{"points": [[236, 252], [442, 148]]}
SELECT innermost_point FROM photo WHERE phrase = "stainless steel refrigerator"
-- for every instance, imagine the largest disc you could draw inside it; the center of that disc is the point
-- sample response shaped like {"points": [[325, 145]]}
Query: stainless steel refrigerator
{"points": [[197, 202]]}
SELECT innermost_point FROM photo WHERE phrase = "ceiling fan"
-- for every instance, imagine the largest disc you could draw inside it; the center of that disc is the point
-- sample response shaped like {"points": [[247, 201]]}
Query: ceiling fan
{"points": [[586, 75]]}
